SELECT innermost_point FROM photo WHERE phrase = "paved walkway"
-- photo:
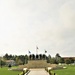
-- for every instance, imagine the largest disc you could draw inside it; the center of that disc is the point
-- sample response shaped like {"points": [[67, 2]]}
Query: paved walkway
{"points": [[38, 72]]}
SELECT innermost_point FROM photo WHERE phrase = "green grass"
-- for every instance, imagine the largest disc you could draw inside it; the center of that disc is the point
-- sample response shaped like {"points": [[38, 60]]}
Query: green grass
{"points": [[69, 71], [5, 71]]}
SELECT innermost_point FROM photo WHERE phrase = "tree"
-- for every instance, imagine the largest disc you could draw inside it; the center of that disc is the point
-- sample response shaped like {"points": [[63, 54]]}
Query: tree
{"points": [[67, 61], [6, 56], [2, 63], [48, 59], [36, 56], [52, 61], [26, 59], [71, 60], [22, 58], [10, 56], [30, 57], [33, 56], [58, 58], [18, 61], [62, 60], [40, 55], [44, 56]]}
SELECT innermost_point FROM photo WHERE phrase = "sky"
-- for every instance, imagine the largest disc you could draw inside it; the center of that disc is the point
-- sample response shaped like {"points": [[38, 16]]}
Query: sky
{"points": [[47, 24]]}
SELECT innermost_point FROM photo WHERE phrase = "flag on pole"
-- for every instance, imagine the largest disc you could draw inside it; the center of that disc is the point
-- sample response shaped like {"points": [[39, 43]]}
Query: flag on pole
{"points": [[29, 52], [37, 50], [45, 51]]}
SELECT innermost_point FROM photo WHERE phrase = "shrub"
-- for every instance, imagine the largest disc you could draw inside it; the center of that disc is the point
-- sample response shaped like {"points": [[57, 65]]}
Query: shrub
{"points": [[52, 73], [9, 66], [23, 72]]}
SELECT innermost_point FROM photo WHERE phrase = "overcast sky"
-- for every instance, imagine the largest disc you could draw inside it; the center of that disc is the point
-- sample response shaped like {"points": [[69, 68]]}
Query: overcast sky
{"points": [[48, 24]]}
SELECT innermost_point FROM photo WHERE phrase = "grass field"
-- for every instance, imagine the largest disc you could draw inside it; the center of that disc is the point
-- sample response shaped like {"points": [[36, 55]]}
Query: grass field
{"points": [[69, 71], [5, 71]]}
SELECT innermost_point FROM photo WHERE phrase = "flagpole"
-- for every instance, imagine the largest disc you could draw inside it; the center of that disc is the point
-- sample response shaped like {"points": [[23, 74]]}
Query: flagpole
{"points": [[29, 52], [36, 50], [45, 54]]}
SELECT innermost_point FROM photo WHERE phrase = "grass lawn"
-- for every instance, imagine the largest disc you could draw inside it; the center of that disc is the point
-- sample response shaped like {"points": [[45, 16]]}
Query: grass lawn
{"points": [[69, 71], [5, 71]]}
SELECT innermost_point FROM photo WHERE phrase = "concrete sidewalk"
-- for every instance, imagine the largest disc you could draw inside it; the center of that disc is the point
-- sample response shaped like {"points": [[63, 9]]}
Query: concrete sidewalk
{"points": [[38, 72]]}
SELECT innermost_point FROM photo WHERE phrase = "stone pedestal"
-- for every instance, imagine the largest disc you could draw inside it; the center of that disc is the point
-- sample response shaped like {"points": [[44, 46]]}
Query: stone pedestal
{"points": [[36, 64]]}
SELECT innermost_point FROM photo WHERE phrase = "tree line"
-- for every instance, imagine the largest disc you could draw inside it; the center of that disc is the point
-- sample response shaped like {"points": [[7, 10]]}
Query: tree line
{"points": [[23, 59]]}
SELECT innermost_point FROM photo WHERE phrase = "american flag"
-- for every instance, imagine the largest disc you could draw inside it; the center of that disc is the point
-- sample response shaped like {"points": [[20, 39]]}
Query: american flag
{"points": [[29, 52], [45, 51]]}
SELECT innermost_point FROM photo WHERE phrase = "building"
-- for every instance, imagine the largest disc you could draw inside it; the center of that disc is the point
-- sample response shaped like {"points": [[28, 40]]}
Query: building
{"points": [[10, 62]]}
